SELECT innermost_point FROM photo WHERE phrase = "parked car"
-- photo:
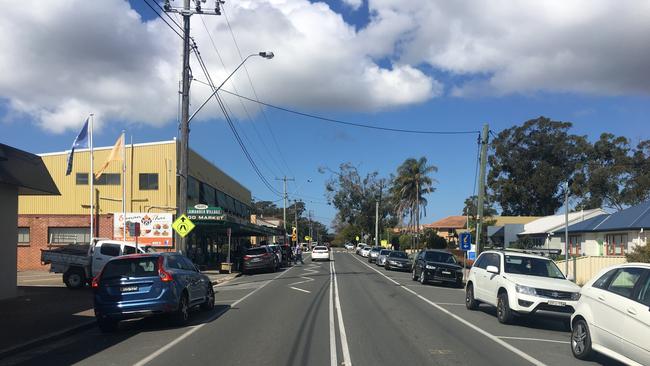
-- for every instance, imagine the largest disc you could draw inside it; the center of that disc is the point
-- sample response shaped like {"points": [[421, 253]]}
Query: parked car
{"points": [[278, 252], [398, 260], [349, 246], [359, 247], [364, 251], [520, 283], [432, 265], [142, 285], [321, 252], [79, 264], [381, 257], [260, 258], [372, 255], [612, 316]]}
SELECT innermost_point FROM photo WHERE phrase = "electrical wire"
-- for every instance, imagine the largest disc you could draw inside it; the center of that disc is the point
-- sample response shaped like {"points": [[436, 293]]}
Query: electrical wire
{"points": [[354, 124], [163, 19]]}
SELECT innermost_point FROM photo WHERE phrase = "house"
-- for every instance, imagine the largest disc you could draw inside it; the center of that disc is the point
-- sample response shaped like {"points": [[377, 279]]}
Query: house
{"points": [[503, 233], [609, 234], [449, 227], [541, 232]]}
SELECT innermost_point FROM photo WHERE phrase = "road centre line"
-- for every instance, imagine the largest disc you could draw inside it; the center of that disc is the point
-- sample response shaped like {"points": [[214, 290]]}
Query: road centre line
{"points": [[333, 356], [194, 328], [491, 336], [347, 361], [535, 339]]}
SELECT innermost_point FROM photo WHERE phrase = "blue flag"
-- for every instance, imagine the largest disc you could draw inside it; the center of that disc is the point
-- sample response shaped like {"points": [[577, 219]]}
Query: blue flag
{"points": [[80, 141]]}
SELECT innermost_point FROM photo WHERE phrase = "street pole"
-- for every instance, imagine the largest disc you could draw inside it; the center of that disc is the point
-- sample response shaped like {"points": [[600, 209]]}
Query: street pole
{"points": [[481, 187], [566, 229], [377, 223], [285, 198], [417, 210]]}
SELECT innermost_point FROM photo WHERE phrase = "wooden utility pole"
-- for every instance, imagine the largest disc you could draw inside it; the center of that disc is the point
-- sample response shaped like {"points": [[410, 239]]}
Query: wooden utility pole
{"points": [[481, 187]]}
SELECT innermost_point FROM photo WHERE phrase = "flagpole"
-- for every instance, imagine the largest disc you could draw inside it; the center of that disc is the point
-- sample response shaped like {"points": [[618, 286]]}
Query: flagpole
{"points": [[92, 178], [124, 182]]}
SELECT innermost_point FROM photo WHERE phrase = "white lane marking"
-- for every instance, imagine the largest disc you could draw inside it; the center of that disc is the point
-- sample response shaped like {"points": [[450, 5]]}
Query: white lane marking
{"points": [[450, 303], [194, 328], [344, 338], [491, 336], [299, 289], [535, 339], [333, 356]]}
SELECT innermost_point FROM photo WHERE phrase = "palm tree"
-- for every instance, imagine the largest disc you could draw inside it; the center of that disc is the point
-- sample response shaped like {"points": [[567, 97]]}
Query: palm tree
{"points": [[412, 183]]}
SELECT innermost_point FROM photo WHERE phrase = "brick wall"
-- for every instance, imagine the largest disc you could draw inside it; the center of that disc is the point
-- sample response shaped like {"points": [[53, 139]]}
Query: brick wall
{"points": [[29, 256]]}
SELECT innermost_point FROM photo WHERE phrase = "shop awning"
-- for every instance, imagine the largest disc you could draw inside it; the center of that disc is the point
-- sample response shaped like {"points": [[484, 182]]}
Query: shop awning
{"points": [[237, 229]]}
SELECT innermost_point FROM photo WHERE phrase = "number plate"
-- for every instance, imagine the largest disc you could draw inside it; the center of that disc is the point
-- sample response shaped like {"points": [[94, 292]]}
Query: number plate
{"points": [[128, 288], [556, 303], [446, 272], [255, 260]]}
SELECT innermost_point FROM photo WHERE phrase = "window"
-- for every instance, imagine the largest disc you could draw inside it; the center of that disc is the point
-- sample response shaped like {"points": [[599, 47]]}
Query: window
{"points": [[111, 250], [644, 292], [531, 266], [174, 262], [493, 260], [23, 236], [129, 250], [616, 244], [148, 181], [207, 195], [624, 281], [187, 264], [221, 199], [82, 179], [481, 262], [132, 267], [575, 246], [68, 235], [602, 282], [192, 191], [108, 179]]}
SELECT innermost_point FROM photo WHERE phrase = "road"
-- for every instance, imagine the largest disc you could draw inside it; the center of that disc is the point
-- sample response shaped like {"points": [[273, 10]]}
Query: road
{"points": [[326, 313]]}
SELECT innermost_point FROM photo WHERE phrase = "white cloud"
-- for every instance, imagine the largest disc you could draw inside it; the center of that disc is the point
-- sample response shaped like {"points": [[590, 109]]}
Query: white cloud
{"points": [[354, 4]]}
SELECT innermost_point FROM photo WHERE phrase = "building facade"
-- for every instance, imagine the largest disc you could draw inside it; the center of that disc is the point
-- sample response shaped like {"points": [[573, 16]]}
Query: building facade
{"points": [[150, 184]]}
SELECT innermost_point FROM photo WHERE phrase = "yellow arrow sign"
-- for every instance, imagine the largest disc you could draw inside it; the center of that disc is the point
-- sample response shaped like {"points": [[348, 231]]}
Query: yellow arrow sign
{"points": [[183, 225]]}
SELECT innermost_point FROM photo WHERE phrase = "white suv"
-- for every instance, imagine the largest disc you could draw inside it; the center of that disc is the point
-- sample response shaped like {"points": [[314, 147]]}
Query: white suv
{"points": [[519, 283]]}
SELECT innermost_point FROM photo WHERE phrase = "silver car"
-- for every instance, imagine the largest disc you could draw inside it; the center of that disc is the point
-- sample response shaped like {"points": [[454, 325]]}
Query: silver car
{"points": [[381, 258]]}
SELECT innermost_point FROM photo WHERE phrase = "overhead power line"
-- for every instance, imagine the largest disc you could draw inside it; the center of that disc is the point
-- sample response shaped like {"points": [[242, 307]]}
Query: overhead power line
{"points": [[164, 20]]}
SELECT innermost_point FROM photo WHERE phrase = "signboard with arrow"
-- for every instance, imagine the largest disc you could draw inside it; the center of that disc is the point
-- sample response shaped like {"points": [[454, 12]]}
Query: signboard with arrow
{"points": [[183, 225]]}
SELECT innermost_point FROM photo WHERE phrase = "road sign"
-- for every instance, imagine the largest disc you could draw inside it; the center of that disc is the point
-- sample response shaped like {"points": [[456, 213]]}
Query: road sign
{"points": [[307, 238], [294, 235], [384, 242], [356, 238], [183, 225], [134, 228], [471, 255], [465, 241]]}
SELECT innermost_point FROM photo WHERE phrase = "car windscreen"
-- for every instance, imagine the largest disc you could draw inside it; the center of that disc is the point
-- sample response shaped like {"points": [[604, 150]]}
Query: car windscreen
{"points": [[531, 266], [320, 248], [384, 252], [440, 257], [131, 267], [402, 255], [256, 251]]}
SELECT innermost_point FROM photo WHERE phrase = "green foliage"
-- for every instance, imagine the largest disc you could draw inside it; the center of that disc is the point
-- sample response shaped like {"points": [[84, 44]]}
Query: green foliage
{"points": [[346, 233], [640, 253], [433, 241], [523, 243], [405, 241], [270, 209], [412, 184], [471, 211]]}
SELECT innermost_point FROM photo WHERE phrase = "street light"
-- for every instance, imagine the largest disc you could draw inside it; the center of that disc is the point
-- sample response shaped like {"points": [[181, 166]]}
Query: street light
{"points": [[266, 54]]}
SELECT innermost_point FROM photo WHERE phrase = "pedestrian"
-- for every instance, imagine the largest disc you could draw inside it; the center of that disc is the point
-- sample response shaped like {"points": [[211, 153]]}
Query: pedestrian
{"points": [[298, 252]]}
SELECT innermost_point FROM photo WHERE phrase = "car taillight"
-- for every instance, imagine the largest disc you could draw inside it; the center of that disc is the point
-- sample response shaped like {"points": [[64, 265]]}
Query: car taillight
{"points": [[247, 257], [164, 275], [267, 255], [95, 283]]}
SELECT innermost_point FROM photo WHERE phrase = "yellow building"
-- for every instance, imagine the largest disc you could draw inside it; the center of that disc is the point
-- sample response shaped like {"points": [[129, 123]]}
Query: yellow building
{"points": [[151, 193]]}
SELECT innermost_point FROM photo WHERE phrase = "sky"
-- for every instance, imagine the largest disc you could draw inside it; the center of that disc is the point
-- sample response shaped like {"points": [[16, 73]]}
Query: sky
{"points": [[411, 64]]}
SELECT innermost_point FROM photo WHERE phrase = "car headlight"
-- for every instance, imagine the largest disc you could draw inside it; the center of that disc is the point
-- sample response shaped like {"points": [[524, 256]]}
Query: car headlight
{"points": [[392, 262], [525, 290], [575, 296], [430, 266]]}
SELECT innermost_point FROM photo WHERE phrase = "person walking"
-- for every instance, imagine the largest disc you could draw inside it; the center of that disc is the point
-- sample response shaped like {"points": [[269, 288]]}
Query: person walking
{"points": [[298, 253]]}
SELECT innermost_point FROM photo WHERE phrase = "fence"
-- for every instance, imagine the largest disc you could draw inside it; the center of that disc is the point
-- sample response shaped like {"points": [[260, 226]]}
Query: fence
{"points": [[583, 269]]}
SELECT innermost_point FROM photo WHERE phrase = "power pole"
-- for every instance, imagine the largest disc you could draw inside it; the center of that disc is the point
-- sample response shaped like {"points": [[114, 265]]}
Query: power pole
{"points": [[377, 223], [481, 187], [184, 127], [295, 217], [311, 229], [285, 197]]}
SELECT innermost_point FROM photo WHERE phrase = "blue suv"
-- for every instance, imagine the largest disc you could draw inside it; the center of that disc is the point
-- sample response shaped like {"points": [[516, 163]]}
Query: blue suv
{"points": [[141, 285]]}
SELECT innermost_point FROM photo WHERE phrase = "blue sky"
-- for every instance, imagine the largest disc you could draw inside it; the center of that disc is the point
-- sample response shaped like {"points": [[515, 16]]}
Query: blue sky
{"points": [[307, 144]]}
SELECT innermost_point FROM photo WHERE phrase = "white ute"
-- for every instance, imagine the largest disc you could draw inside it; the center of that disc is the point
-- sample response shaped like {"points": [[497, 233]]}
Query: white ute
{"points": [[520, 283]]}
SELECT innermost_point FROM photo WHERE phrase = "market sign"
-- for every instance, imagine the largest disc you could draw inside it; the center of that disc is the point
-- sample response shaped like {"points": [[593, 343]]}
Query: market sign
{"points": [[205, 213]]}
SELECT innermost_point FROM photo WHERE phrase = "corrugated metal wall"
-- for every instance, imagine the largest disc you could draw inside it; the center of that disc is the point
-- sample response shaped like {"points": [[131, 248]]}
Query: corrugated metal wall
{"points": [[588, 267]]}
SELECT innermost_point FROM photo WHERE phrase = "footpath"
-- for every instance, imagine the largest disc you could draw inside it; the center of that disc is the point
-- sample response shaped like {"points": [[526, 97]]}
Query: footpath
{"points": [[43, 312]]}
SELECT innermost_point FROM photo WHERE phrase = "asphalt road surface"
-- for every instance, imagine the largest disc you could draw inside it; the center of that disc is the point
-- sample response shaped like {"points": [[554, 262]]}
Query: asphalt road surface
{"points": [[342, 312]]}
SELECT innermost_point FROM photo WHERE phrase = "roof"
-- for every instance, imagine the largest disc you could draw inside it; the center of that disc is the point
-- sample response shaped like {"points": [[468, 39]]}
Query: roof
{"points": [[632, 218], [505, 220], [550, 224], [449, 222], [26, 171], [97, 148]]}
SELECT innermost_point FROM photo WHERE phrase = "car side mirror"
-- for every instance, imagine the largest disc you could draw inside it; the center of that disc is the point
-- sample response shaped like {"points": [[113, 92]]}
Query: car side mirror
{"points": [[492, 269]]}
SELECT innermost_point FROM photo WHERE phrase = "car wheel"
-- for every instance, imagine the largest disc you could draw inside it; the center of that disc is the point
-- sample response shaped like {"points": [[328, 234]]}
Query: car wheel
{"points": [[74, 278], [414, 277], [470, 301], [504, 313], [107, 325], [209, 301], [423, 278], [182, 315], [387, 267], [581, 340]]}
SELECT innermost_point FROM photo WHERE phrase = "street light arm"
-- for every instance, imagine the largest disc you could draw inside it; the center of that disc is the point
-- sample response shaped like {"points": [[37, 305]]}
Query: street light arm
{"points": [[261, 54]]}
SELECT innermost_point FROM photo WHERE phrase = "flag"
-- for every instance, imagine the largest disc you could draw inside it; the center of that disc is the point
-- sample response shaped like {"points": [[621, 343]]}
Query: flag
{"points": [[113, 156], [80, 141]]}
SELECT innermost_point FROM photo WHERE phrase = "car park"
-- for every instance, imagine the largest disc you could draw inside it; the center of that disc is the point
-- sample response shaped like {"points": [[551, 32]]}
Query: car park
{"points": [[612, 316], [373, 254], [260, 258], [519, 283], [381, 258], [142, 285], [398, 260], [364, 251], [321, 252], [431, 265]]}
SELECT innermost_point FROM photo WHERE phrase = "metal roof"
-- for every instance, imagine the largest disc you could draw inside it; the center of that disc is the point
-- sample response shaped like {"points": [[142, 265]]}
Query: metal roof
{"points": [[550, 224], [25, 171], [587, 225], [632, 218]]}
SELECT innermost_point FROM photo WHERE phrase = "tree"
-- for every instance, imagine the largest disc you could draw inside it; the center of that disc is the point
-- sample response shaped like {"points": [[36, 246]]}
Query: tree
{"points": [[637, 187], [529, 163], [433, 241], [412, 184], [470, 210], [640, 253]]}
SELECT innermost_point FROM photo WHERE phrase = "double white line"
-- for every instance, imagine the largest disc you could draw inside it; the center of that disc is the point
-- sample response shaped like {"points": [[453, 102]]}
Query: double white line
{"points": [[336, 303]]}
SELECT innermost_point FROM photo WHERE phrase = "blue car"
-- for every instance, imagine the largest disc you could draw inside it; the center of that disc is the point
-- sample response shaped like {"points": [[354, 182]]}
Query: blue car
{"points": [[141, 285]]}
